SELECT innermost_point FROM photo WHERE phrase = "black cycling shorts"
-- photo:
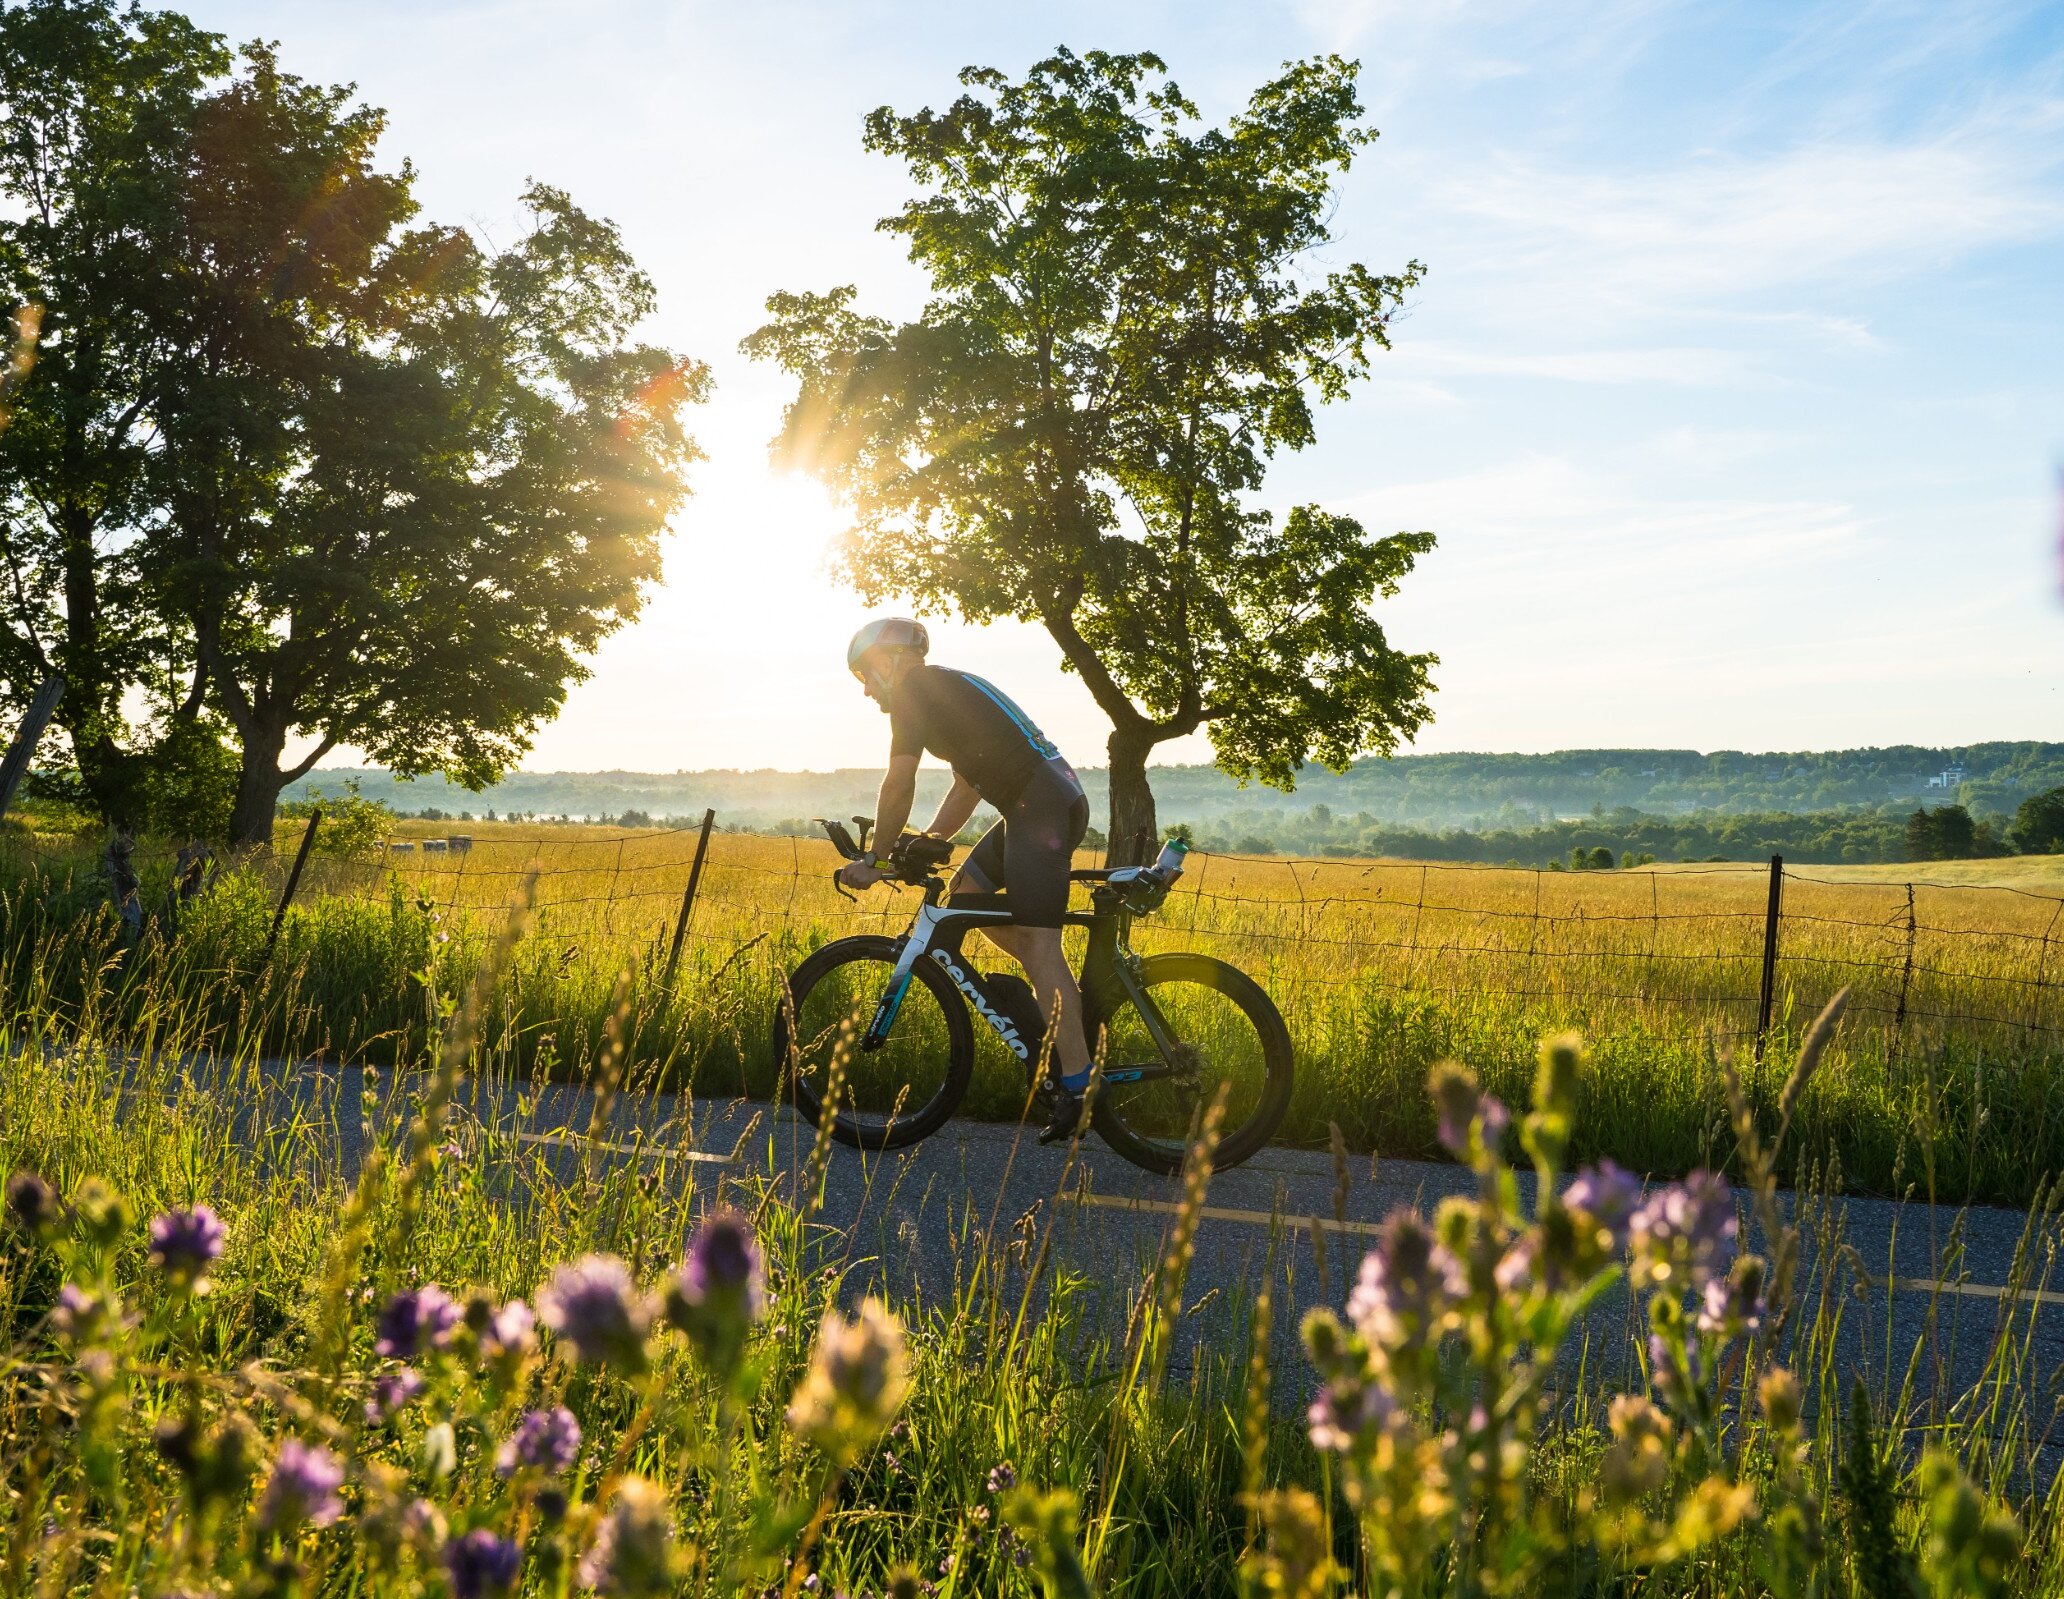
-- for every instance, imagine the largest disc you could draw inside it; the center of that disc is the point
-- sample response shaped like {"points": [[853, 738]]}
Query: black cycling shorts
{"points": [[1028, 853]]}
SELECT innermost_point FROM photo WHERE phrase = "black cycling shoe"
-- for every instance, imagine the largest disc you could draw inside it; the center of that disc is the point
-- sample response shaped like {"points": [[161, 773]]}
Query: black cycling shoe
{"points": [[1066, 1119]]}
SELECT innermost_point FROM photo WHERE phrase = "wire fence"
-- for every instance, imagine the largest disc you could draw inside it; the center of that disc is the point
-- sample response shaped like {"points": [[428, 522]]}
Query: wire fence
{"points": [[1722, 947], [1929, 958]]}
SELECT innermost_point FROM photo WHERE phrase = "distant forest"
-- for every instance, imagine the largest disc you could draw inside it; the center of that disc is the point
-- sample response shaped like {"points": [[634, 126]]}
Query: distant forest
{"points": [[1841, 805]]}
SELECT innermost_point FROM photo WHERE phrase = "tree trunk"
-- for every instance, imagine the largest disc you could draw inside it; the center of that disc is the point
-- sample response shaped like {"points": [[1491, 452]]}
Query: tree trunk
{"points": [[259, 781], [1134, 836]]}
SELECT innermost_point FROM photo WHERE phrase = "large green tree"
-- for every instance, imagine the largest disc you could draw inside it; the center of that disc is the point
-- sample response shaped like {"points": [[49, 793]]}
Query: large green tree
{"points": [[2039, 823], [1123, 329], [377, 485], [426, 479], [97, 109]]}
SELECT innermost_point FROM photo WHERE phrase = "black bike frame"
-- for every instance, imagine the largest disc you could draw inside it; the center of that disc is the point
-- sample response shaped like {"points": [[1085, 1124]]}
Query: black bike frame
{"points": [[1108, 970]]}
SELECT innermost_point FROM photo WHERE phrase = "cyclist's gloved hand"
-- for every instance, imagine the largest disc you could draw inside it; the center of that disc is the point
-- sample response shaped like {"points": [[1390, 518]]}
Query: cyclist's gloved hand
{"points": [[860, 874]]}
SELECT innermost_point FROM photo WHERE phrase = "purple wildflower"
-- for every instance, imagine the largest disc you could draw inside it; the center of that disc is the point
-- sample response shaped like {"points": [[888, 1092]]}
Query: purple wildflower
{"points": [[724, 1263], [1003, 1475], [422, 1523], [31, 1202], [1344, 1412], [720, 1291], [1673, 1380], [596, 1307], [185, 1243], [1608, 1195], [546, 1439], [305, 1480], [1519, 1265], [1733, 1304], [1683, 1225], [77, 1313], [416, 1320], [633, 1551], [1408, 1283], [391, 1391], [508, 1335], [481, 1565], [1461, 1106]]}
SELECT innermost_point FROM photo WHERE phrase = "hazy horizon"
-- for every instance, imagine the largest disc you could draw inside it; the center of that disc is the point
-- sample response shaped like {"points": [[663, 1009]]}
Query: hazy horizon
{"points": [[1734, 392]]}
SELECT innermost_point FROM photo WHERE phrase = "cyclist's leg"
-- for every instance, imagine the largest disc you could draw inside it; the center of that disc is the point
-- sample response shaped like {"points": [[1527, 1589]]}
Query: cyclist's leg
{"points": [[981, 874], [981, 878], [1038, 847], [1038, 950]]}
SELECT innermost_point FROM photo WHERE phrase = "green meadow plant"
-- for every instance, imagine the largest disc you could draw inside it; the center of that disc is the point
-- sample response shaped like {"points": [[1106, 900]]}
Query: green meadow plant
{"points": [[229, 1370], [1373, 998]]}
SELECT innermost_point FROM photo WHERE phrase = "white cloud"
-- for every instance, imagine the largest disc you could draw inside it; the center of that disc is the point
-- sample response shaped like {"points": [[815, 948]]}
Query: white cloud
{"points": [[1723, 226], [1682, 366]]}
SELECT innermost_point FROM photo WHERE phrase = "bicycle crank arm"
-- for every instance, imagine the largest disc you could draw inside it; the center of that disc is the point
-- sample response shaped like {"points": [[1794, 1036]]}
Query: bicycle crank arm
{"points": [[1142, 1074]]}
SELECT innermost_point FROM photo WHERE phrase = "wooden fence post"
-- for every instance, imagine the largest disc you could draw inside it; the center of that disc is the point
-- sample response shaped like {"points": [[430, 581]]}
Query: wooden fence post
{"points": [[16, 765], [279, 917], [709, 818], [1770, 920], [1906, 971]]}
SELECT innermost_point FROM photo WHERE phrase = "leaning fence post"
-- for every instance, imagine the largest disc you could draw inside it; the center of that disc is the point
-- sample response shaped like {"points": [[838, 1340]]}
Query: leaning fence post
{"points": [[688, 896], [1906, 971], [15, 767], [1770, 919], [279, 917]]}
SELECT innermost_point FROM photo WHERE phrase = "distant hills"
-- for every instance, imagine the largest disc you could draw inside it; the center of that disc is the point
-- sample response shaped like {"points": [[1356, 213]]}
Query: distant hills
{"points": [[1433, 793]]}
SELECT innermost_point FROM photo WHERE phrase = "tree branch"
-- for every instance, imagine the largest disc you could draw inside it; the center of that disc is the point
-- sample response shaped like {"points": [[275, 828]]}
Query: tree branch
{"points": [[208, 647], [1096, 677], [195, 696], [302, 768]]}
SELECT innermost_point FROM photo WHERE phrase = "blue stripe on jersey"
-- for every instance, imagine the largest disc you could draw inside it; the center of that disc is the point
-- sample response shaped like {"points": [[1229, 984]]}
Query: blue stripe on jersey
{"points": [[1038, 740]]}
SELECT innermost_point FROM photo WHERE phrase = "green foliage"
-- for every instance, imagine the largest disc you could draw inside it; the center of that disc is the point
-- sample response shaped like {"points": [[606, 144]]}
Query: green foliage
{"points": [[275, 1378], [1883, 1569], [1837, 836], [1946, 833], [1841, 805], [2039, 823], [288, 454], [96, 124], [1120, 336], [352, 825]]}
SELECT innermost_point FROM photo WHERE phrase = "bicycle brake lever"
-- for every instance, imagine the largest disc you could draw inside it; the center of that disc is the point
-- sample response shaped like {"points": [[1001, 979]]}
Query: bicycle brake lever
{"points": [[841, 889]]}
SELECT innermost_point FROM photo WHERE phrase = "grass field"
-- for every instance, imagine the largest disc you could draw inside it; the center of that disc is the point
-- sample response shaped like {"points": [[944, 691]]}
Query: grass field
{"points": [[1948, 1066], [313, 1388]]}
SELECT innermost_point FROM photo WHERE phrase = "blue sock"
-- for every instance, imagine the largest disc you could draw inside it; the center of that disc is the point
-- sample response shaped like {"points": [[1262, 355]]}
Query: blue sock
{"points": [[1075, 1082]]}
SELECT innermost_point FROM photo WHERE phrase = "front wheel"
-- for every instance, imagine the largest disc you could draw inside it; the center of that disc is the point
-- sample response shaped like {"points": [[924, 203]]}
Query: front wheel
{"points": [[1217, 1027], [905, 1087]]}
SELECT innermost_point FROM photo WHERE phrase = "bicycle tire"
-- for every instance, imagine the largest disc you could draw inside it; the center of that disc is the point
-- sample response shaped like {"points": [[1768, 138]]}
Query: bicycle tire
{"points": [[910, 1123], [1119, 1113]]}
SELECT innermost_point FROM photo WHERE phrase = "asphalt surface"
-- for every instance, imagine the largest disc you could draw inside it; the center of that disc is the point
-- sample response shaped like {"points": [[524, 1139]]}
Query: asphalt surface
{"points": [[1905, 1277]]}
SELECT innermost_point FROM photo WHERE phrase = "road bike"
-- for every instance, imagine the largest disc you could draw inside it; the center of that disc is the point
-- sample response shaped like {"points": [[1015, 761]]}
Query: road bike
{"points": [[1173, 1028]]}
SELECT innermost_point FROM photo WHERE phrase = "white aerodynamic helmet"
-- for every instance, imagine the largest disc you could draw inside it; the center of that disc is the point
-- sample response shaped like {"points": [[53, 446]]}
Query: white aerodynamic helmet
{"points": [[894, 631]]}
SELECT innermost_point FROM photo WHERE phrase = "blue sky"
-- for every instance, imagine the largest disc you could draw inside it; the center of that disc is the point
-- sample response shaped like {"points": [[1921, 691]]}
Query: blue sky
{"points": [[1734, 391]]}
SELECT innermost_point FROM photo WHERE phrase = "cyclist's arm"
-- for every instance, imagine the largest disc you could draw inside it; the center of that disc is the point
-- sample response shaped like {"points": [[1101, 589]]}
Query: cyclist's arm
{"points": [[955, 809], [892, 804]]}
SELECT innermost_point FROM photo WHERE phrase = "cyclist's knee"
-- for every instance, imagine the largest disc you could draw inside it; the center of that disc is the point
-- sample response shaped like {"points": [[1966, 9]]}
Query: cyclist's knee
{"points": [[1041, 944]]}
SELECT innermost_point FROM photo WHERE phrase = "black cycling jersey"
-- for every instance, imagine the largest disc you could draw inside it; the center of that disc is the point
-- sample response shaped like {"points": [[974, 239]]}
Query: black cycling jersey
{"points": [[971, 725]]}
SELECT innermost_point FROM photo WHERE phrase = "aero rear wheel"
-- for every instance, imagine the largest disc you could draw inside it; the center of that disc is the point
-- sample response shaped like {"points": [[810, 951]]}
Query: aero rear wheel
{"points": [[1226, 1031], [901, 1090]]}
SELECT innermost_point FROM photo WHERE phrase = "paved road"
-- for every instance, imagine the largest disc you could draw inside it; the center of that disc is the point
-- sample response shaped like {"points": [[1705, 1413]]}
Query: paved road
{"points": [[910, 1214]]}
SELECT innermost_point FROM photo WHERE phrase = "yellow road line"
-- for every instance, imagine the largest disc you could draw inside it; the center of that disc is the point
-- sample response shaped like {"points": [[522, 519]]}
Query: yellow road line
{"points": [[1259, 1218], [643, 1151], [1369, 1229], [1924, 1285]]}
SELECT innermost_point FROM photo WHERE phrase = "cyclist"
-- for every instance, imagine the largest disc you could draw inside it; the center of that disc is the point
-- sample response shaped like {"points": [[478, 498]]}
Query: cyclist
{"points": [[997, 755]]}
